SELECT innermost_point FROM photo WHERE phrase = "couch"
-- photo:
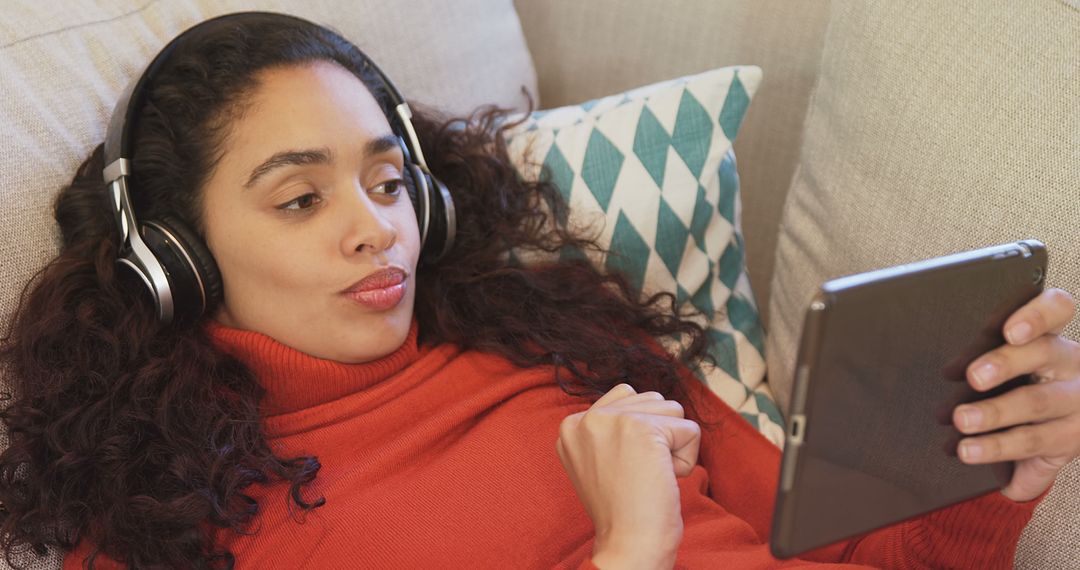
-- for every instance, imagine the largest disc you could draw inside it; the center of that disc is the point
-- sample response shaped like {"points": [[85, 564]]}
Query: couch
{"points": [[883, 132]]}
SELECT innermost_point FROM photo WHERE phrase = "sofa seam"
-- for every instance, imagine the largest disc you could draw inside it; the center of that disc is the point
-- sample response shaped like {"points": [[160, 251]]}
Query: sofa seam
{"points": [[79, 25]]}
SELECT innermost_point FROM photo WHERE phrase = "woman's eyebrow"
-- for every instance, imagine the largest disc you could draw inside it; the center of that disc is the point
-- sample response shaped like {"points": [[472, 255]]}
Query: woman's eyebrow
{"points": [[316, 156], [381, 144], [286, 158]]}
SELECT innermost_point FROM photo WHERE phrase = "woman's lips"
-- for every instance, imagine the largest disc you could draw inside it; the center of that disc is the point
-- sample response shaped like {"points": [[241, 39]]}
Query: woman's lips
{"points": [[381, 290]]}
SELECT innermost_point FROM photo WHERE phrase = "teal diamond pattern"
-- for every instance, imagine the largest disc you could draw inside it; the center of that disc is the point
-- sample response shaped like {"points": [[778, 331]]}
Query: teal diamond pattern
{"points": [[693, 133], [702, 299], [744, 318], [769, 408], [729, 187], [731, 264], [735, 104], [723, 350], [570, 252], [699, 224], [600, 171], [651, 144], [671, 237], [559, 172], [629, 253], [680, 294]]}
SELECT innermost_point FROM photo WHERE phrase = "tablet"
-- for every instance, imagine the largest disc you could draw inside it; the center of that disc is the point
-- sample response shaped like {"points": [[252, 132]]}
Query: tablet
{"points": [[881, 365]]}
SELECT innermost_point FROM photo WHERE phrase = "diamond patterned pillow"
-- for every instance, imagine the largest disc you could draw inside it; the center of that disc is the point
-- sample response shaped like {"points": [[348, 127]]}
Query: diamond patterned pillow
{"points": [[652, 172]]}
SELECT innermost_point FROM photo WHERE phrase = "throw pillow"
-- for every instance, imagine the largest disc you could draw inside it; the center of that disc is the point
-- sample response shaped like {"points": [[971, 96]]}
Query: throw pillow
{"points": [[652, 172]]}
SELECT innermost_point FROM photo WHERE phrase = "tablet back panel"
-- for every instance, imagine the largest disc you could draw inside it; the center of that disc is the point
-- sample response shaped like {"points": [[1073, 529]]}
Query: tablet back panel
{"points": [[881, 366]]}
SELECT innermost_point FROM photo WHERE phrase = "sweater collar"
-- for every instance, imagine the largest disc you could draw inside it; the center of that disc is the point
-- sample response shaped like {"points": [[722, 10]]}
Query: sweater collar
{"points": [[295, 380]]}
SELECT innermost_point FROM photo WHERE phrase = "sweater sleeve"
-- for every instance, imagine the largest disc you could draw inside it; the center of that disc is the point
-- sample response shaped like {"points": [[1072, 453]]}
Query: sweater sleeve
{"points": [[744, 467]]}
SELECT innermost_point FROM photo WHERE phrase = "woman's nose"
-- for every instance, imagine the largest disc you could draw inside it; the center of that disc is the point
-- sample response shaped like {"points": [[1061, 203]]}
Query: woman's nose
{"points": [[366, 226]]}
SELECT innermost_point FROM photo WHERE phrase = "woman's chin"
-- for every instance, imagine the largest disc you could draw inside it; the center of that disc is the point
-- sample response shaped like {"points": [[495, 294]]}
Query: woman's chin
{"points": [[372, 342]]}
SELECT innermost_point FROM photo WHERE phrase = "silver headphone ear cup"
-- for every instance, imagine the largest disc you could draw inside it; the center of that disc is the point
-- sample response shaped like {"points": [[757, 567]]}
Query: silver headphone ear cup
{"points": [[185, 286], [198, 258], [163, 310]]}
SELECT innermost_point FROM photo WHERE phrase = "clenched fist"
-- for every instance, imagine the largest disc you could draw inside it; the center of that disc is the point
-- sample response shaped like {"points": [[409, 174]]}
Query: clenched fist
{"points": [[623, 455]]}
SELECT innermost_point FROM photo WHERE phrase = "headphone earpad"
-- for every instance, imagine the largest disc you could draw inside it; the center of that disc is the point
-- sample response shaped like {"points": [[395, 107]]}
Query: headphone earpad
{"points": [[438, 229], [193, 274], [412, 187], [420, 190]]}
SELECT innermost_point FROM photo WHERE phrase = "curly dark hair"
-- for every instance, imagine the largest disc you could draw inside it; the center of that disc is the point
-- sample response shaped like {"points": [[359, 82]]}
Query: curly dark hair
{"points": [[142, 437]]}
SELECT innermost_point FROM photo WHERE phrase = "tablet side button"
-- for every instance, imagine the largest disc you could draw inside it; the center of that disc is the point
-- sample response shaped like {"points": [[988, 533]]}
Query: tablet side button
{"points": [[802, 384], [797, 422], [791, 452]]}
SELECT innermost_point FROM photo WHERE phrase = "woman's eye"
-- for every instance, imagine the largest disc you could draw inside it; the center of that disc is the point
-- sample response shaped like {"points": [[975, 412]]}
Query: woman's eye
{"points": [[301, 203], [392, 187]]}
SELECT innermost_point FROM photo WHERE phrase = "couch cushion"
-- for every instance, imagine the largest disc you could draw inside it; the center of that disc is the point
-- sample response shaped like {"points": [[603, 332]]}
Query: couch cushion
{"points": [[64, 66], [651, 172], [937, 127]]}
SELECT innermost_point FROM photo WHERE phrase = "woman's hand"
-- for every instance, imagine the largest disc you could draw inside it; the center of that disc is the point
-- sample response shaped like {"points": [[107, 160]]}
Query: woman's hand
{"points": [[1051, 407], [623, 455]]}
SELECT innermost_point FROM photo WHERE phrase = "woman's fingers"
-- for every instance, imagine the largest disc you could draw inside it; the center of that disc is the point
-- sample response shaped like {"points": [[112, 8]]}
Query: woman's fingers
{"points": [[1046, 314], [1032, 476], [684, 439], [623, 398], [640, 422], [669, 408], [1054, 441], [1040, 424], [1026, 404], [1050, 356], [617, 393]]}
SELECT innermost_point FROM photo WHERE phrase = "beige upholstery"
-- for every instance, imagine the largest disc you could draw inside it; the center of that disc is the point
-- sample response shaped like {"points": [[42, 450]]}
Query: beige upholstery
{"points": [[590, 49], [936, 127]]}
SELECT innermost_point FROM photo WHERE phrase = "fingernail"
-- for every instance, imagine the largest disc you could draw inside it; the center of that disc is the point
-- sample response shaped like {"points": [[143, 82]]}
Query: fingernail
{"points": [[970, 451], [970, 417], [985, 374], [1019, 333]]}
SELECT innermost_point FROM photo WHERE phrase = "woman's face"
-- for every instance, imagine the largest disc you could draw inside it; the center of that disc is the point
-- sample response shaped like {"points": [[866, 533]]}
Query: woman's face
{"points": [[305, 202]]}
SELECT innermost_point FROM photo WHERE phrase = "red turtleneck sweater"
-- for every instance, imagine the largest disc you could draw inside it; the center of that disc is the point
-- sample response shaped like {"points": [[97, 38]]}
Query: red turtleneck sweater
{"points": [[437, 458]]}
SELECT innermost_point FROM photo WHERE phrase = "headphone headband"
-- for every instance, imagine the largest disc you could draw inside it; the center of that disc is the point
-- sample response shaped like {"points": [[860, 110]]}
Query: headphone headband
{"points": [[118, 137]]}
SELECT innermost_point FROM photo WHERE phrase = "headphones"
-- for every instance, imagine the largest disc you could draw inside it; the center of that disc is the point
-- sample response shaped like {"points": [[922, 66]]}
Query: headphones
{"points": [[171, 259]]}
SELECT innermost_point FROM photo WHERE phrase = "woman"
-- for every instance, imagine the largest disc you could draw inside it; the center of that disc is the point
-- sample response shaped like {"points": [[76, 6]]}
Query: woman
{"points": [[350, 402]]}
